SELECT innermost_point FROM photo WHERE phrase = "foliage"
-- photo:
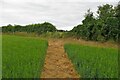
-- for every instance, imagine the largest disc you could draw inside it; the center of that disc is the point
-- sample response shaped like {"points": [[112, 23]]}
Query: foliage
{"points": [[22, 57], [37, 28], [0, 57], [93, 62], [104, 27]]}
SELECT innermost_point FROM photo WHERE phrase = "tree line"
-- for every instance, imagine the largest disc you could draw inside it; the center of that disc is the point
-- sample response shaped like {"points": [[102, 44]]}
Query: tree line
{"points": [[103, 27], [37, 28]]}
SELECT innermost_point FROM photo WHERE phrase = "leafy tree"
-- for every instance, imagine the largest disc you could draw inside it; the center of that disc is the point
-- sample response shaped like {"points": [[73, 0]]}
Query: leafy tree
{"points": [[117, 15], [88, 24], [104, 27], [37, 28], [106, 14], [18, 28], [46, 27]]}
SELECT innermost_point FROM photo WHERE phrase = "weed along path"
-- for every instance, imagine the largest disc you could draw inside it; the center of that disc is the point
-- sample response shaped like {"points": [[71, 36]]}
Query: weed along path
{"points": [[57, 64]]}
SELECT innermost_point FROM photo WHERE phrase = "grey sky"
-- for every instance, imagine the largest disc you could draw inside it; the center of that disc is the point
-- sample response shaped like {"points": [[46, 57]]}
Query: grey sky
{"points": [[64, 14]]}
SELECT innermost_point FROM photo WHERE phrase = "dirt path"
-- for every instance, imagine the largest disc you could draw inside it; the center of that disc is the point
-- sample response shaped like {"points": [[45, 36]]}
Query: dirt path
{"points": [[57, 64]]}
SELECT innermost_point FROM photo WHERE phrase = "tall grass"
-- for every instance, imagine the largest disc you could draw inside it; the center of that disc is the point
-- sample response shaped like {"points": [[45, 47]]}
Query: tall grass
{"points": [[93, 62], [22, 57], [0, 56]]}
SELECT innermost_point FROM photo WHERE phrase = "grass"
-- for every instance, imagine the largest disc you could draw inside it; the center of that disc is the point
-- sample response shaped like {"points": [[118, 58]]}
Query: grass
{"points": [[22, 57], [93, 62], [0, 56], [55, 35]]}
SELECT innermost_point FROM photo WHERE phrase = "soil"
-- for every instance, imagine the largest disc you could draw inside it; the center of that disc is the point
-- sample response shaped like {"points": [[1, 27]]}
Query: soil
{"points": [[57, 63]]}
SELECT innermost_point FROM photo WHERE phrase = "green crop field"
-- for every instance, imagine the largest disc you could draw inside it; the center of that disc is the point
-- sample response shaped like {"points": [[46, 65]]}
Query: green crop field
{"points": [[93, 62], [22, 57], [0, 56]]}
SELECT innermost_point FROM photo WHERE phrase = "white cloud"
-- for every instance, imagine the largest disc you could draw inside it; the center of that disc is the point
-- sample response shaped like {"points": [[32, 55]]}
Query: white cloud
{"points": [[65, 14]]}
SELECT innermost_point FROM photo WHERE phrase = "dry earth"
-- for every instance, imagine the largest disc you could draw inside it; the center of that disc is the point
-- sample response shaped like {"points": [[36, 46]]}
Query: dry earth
{"points": [[57, 64]]}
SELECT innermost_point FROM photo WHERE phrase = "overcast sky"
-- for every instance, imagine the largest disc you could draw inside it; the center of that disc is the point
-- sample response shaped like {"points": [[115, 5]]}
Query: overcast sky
{"points": [[64, 14]]}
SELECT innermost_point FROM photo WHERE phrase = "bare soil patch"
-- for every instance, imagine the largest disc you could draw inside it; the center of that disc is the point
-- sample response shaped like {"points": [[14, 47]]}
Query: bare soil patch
{"points": [[57, 64]]}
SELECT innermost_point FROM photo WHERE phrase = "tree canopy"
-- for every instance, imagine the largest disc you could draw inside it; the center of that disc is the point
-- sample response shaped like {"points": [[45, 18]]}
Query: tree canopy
{"points": [[104, 27], [37, 28]]}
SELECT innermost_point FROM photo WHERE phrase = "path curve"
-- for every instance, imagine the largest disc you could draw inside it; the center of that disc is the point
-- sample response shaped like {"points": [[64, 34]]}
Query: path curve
{"points": [[57, 64]]}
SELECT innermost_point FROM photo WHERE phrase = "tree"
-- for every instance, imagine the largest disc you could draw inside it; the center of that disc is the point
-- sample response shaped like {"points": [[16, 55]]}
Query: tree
{"points": [[37, 28], [88, 25], [104, 27], [46, 27], [117, 15], [18, 28], [106, 14]]}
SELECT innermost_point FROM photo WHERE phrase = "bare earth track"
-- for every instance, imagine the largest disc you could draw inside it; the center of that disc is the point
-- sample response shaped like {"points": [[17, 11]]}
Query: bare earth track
{"points": [[57, 64]]}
